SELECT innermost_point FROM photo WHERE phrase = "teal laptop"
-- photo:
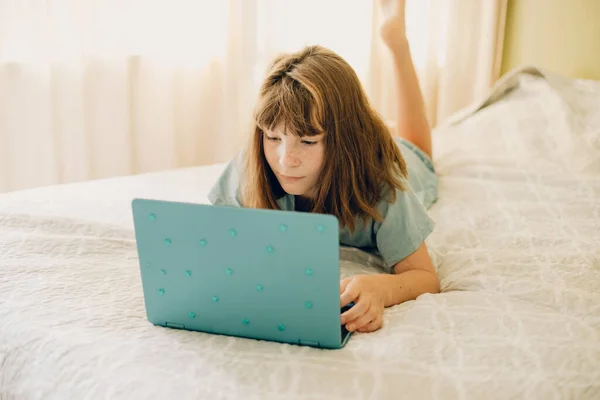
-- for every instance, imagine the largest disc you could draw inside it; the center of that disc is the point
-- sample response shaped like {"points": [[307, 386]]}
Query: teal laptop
{"points": [[260, 274]]}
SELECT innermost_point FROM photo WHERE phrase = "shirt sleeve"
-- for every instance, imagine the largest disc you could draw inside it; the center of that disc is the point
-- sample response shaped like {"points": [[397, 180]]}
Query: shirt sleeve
{"points": [[405, 226], [226, 190]]}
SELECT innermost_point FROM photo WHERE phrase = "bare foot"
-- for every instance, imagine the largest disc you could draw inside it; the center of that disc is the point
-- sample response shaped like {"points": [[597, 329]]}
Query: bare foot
{"points": [[393, 28]]}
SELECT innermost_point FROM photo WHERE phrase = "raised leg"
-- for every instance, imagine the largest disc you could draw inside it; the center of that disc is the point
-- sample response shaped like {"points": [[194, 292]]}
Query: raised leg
{"points": [[412, 120]]}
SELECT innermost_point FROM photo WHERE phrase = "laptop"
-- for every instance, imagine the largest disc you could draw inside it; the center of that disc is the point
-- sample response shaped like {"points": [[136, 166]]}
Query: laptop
{"points": [[260, 274]]}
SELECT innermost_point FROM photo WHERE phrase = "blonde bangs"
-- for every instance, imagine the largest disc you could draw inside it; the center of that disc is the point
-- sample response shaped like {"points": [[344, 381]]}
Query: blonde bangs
{"points": [[289, 102]]}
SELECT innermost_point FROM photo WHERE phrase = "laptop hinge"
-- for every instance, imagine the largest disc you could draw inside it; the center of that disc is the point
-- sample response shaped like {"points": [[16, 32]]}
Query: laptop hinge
{"points": [[309, 343], [173, 325]]}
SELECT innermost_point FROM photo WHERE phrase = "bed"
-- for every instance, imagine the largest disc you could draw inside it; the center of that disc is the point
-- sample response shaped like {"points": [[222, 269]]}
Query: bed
{"points": [[517, 248]]}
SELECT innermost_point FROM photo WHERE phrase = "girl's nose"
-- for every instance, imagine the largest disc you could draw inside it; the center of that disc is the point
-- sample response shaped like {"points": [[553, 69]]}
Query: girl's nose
{"points": [[289, 157]]}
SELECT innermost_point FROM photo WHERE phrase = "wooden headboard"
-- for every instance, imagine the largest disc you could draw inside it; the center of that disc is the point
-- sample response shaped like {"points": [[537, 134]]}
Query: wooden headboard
{"points": [[560, 35]]}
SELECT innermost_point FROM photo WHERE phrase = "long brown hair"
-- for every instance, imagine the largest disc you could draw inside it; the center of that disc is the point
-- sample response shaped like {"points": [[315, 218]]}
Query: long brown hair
{"points": [[316, 91]]}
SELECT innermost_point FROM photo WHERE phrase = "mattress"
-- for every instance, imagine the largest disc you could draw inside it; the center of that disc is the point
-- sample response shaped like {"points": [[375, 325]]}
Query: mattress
{"points": [[516, 246]]}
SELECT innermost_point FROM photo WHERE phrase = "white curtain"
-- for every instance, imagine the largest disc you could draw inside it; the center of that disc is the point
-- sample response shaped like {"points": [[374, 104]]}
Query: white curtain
{"points": [[94, 89]]}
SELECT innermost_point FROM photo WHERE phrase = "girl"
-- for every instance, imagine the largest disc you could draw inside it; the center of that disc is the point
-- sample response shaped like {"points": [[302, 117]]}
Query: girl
{"points": [[318, 146]]}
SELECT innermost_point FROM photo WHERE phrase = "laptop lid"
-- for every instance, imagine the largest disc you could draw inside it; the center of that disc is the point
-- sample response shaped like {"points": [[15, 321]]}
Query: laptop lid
{"points": [[262, 274]]}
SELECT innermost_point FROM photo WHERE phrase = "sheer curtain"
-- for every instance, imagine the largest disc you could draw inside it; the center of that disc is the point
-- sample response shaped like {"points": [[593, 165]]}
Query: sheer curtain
{"points": [[94, 89]]}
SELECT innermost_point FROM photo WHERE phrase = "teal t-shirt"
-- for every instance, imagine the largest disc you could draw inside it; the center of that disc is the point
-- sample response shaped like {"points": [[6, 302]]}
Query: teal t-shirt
{"points": [[406, 223]]}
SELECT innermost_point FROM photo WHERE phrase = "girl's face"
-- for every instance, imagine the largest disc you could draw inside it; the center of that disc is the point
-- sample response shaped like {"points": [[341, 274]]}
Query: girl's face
{"points": [[295, 161]]}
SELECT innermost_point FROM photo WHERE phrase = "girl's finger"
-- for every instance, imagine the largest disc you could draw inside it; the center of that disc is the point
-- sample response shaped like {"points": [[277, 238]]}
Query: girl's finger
{"points": [[349, 294], [343, 284], [372, 326], [357, 311], [364, 316], [361, 322]]}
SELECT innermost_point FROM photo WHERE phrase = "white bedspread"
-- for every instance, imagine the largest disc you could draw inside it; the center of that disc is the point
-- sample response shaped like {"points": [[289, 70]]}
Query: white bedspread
{"points": [[517, 246]]}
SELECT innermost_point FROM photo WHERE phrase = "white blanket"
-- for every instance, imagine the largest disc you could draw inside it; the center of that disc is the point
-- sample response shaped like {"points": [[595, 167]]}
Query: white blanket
{"points": [[517, 247]]}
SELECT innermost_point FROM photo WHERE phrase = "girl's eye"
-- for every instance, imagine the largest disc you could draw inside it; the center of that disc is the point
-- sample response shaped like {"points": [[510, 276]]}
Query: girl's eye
{"points": [[271, 138], [309, 143]]}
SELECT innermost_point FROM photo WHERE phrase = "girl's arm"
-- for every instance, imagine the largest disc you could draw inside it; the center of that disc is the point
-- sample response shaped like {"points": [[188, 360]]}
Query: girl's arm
{"points": [[414, 276]]}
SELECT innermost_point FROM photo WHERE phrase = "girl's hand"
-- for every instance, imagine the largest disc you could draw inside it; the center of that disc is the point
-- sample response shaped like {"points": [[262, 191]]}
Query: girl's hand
{"points": [[368, 294]]}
